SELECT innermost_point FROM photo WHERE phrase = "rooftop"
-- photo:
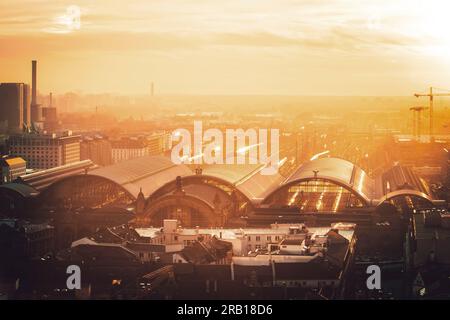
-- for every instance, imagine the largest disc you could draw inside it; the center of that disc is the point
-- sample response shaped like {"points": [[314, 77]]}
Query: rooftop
{"points": [[148, 173]]}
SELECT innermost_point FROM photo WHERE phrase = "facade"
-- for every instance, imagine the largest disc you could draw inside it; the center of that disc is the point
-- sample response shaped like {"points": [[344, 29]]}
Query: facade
{"points": [[16, 200], [50, 119], [158, 143], [19, 239], [12, 168], [128, 148], [42, 151], [14, 107], [431, 237], [210, 263], [97, 149], [245, 241]]}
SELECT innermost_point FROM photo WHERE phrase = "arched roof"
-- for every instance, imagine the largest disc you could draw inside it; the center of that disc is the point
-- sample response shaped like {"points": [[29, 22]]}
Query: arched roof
{"points": [[407, 192], [339, 170], [20, 188], [206, 192], [148, 173], [246, 178], [85, 190], [41, 179], [68, 181], [152, 173], [401, 177], [254, 186]]}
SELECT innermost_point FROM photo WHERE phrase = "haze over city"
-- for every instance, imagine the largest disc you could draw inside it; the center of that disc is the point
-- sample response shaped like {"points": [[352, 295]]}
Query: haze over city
{"points": [[252, 150], [265, 47]]}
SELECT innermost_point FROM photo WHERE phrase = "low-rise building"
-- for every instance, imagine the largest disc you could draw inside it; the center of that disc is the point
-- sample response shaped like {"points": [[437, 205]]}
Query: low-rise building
{"points": [[215, 263], [158, 143], [12, 168], [128, 148], [20, 239], [96, 148]]}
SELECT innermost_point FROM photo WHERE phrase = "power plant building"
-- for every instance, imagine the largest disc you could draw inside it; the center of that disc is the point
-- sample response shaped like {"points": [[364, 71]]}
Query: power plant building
{"points": [[14, 107]]}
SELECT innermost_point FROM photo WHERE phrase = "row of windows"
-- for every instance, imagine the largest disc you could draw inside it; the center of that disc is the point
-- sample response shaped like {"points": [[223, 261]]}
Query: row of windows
{"points": [[268, 238], [35, 147], [33, 144], [305, 283]]}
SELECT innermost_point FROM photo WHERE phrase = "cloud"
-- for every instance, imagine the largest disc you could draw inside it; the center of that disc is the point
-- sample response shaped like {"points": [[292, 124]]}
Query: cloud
{"points": [[338, 38], [67, 22]]}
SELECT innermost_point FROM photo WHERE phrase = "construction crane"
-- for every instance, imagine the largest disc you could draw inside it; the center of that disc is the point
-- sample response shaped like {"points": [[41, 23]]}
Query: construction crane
{"points": [[417, 119], [431, 95]]}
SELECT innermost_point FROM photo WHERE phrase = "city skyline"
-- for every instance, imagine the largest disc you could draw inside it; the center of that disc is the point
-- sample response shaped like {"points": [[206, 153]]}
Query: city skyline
{"points": [[264, 47], [241, 151]]}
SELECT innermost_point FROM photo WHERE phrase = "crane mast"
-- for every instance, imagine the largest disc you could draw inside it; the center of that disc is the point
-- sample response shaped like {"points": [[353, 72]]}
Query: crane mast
{"points": [[431, 95]]}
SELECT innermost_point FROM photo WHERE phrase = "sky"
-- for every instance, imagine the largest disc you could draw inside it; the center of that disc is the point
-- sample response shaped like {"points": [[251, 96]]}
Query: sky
{"points": [[280, 47]]}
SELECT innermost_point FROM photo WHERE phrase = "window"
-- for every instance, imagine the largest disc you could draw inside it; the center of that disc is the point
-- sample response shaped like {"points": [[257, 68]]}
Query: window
{"points": [[258, 238], [269, 238]]}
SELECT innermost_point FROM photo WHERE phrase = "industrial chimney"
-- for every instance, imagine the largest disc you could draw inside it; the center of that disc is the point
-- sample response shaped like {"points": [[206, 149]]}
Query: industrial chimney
{"points": [[33, 82], [36, 112]]}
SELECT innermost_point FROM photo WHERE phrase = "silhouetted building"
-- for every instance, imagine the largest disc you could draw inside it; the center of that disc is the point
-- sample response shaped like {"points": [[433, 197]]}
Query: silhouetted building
{"points": [[19, 239], [14, 107], [50, 116]]}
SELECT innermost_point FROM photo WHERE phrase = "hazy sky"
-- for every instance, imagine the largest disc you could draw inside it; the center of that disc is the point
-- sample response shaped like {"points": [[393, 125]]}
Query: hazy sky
{"points": [[312, 47]]}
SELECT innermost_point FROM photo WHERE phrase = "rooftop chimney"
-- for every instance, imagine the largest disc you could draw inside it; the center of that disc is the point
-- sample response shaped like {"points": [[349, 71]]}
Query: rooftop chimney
{"points": [[33, 81], [51, 100]]}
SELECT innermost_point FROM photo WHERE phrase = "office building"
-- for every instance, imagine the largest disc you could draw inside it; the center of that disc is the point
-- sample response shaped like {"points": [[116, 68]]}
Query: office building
{"points": [[158, 143], [128, 148], [12, 106], [44, 151], [97, 149]]}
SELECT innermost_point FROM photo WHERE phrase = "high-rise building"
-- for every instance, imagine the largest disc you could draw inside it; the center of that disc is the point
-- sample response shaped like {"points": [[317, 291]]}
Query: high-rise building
{"points": [[11, 107], [44, 151]]}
